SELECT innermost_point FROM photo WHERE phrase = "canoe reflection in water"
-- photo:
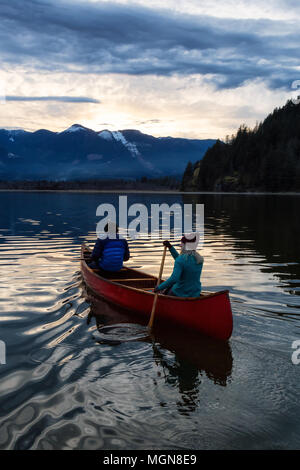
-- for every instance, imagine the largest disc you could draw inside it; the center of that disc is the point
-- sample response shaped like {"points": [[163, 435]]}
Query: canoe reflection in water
{"points": [[182, 357]]}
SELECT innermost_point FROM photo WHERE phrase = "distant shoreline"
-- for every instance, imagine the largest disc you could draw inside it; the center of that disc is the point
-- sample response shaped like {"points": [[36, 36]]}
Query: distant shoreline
{"points": [[140, 191], [112, 191]]}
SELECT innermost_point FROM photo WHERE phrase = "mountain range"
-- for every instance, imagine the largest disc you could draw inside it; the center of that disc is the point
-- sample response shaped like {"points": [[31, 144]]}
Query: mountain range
{"points": [[82, 153]]}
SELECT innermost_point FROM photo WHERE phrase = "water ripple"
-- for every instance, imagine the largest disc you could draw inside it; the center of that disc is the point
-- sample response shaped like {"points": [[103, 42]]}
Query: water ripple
{"points": [[81, 374]]}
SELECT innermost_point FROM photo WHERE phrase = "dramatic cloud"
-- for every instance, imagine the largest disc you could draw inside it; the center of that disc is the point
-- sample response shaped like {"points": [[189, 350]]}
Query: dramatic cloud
{"points": [[125, 39], [186, 68], [273, 9], [63, 99]]}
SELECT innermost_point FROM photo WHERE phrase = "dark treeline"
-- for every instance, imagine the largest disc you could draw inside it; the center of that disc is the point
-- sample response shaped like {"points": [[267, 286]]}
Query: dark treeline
{"points": [[266, 158], [144, 183]]}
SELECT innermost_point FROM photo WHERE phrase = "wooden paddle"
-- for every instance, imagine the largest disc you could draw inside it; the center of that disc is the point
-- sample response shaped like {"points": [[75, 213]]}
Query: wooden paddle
{"points": [[158, 282]]}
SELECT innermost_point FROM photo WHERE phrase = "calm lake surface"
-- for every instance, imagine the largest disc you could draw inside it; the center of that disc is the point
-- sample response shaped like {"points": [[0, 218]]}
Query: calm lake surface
{"points": [[80, 375]]}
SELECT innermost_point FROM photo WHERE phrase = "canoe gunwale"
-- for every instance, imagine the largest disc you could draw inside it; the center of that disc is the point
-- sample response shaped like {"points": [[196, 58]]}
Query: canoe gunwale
{"points": [[174, 298], [209, 314]]}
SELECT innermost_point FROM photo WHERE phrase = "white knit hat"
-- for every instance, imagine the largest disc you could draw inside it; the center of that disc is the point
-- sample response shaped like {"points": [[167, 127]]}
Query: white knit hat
{"points": [[190, 241]]}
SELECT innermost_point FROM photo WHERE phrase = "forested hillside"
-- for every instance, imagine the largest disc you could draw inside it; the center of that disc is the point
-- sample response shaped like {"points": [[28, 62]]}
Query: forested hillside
{"points": [[266, 158]]}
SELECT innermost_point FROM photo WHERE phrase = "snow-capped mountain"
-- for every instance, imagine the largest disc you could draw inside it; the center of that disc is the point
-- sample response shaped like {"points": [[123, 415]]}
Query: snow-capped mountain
{"points": [[81, 153], [73, 128]]}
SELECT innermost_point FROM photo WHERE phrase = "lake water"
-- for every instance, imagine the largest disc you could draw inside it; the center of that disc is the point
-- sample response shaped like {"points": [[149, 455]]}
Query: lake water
{"points": [[80, 375]]}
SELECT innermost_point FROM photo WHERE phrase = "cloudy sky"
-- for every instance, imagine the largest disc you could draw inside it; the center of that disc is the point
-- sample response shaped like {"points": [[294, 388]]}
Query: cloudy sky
{"points": [[191, 68]]}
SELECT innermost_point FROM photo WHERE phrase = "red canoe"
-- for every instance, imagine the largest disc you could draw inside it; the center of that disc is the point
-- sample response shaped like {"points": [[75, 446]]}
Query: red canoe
{"points": [[131, 289]]}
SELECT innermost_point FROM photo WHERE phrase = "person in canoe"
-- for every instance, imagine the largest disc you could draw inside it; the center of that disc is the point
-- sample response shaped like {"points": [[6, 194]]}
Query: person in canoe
{"points": [[185, 279], [110, 252]]}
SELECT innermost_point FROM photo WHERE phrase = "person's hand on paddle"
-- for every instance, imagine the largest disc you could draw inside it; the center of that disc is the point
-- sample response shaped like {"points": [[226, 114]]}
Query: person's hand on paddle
{"points": [[167, 244], [156, 290]]}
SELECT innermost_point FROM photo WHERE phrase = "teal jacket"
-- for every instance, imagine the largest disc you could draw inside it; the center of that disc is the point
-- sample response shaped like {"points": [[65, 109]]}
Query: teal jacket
{"points": [[185, 279]]}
